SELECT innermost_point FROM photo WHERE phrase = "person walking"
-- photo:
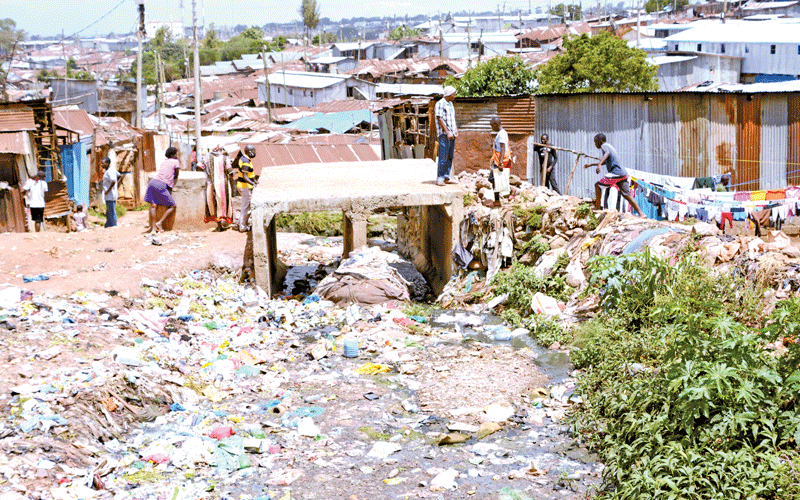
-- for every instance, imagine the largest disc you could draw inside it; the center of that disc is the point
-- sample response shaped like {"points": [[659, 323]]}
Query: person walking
{"points": [[548, 154], [159, 189], [617, 176], [447, 131], [501, 161], [110, 191], [35, 188]]}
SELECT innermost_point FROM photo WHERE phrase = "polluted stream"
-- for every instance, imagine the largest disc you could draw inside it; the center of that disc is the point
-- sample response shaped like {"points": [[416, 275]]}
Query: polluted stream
{"points": [[232, 394]]}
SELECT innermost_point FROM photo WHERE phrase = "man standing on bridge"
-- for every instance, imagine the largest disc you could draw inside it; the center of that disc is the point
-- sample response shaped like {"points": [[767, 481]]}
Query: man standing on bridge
{"points": [[447, 131]]}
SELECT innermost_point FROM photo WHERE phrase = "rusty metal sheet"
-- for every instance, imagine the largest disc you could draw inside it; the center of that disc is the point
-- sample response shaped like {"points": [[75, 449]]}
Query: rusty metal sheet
{"points": [[365, 152], [13, 142], [793, 142], [16, 118], [12, 211], [517, 115], [74, 119], [748, 140]]}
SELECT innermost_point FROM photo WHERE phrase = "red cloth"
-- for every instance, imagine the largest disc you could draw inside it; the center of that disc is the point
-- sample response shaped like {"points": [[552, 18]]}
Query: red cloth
{"points": [[156, 458], [611, 181], [726, 216], [404, 321]]}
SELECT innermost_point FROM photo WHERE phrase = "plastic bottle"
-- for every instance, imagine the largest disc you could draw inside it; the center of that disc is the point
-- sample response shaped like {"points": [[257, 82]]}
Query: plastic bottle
{"points": [[350, 348]]}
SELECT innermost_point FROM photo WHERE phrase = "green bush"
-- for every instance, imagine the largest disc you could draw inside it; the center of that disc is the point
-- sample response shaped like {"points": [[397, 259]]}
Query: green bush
{"points": [[536, 246], [530, 217], [683, 400], [521, 283]]}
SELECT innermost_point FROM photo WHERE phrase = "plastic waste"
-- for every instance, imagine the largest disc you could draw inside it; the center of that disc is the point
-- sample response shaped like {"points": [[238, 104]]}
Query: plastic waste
{"points": [[350, 348]]}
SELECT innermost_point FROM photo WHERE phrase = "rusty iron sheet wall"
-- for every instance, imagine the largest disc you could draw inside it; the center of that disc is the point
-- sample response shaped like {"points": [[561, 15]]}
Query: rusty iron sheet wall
{"points": [[691, 134]]}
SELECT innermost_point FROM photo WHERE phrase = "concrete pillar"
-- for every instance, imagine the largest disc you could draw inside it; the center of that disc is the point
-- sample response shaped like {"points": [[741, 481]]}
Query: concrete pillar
{"points": [[269, 270], [442, 222], [354, 229]]}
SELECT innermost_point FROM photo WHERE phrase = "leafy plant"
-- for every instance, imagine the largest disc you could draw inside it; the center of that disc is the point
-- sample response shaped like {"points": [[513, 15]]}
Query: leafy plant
{"points": [[536, 246], [313, 223], [683, 400], [584, 211], [521, 283], [496, 77], [531, 217]]}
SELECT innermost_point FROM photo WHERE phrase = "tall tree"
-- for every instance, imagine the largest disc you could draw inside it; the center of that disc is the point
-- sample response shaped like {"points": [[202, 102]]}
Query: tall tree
{"points": [[602, 63], [10, 37], [309, 10], [497, 76]]}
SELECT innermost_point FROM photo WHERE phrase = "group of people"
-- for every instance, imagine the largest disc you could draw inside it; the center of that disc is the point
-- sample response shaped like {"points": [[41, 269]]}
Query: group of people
{"points": [[218, 187], [502, 159]]}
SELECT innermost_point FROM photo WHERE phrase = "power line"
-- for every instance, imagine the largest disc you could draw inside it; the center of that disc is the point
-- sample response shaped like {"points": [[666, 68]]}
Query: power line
{"points": [[100, 19]]}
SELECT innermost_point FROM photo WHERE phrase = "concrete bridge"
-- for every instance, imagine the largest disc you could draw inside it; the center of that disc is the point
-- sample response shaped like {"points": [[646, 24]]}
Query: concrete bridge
{"points": [[357, 189]]}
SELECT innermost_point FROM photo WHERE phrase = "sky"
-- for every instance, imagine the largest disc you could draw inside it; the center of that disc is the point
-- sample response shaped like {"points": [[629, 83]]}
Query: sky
{"points": [[100, 17]]}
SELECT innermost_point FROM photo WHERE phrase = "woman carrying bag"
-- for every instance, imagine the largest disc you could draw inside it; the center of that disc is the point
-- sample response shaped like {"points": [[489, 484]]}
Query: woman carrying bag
{"points": [[501, 161]]}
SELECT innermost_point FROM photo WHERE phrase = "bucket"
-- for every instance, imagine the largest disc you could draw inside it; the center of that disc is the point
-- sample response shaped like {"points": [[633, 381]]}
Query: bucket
{"points": [[350, 348]]}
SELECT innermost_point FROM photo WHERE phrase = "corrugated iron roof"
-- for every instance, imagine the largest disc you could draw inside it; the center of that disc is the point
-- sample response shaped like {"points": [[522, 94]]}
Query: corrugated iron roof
{"points": [[337, 106], [742, 32], [304, 79], [12, 142], [16, 117], [270, 154], [74, 119], [337, 123]]}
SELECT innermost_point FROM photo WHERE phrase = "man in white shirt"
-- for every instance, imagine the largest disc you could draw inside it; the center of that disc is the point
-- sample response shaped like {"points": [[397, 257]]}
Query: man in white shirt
{"points": [[35, 188], [110, 191]]}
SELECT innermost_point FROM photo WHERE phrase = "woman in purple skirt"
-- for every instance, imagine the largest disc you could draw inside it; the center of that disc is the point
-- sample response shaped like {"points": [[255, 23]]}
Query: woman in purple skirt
{"points": [[159, 189]]}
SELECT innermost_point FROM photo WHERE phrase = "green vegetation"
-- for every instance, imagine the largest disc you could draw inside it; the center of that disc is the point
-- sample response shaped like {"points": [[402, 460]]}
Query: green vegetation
{"points": [[530, 217], [496, 77], [314, 223], [571, 11], [683, 399], [657, 5], [309, 12], [601, 63], [521, 283], [401, 32], [536, 246], [10, 37], [584, 211]]}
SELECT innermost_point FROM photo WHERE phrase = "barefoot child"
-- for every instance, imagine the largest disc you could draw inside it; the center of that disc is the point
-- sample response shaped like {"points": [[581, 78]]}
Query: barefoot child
{"points": [[617, 175]]}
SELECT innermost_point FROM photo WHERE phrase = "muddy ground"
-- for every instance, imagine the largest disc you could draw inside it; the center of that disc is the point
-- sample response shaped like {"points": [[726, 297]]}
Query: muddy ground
{"points": [[499, 405]]}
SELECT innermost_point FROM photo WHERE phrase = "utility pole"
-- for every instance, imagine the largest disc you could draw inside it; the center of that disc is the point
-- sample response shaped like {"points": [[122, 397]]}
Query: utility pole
{"points": [[441, 47], [480, 46], [139, 35], [469, 47], [198, 89], [638, 20], [266, 83]]}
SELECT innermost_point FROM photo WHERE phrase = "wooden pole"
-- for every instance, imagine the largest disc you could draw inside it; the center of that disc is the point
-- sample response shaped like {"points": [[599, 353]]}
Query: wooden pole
{"points": [[266, 82], [139, 35], [569, 181], [544, 166], [198, 86]]}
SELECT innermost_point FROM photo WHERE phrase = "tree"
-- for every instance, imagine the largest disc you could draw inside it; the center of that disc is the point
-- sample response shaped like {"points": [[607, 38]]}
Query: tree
{"points": [[9, 41], [212, 41], [309, 11], [402, 32], [602, 63], [571, 12], [323, 38], [657, 5], [497, 76]]}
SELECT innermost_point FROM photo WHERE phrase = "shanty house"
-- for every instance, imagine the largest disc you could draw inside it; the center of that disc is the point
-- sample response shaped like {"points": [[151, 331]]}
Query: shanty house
{"points": [[770, 49], [302, 88], [465, 45]]}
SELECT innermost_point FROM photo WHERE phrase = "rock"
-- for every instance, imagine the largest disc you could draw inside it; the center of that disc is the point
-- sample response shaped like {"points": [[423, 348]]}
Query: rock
{"points": [[453, 438], [382, 449], [488, 428], [445, 480], [791, 251], [497, 412], [558, 241], [462, 427], [514, 180]]}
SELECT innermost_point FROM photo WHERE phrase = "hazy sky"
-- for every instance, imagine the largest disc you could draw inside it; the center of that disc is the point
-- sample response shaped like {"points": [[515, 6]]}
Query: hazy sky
{"points": [[50, 17]]}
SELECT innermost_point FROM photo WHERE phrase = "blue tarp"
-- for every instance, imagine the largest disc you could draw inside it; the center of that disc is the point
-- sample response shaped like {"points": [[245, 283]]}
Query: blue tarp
{"points": [[335, 123], [76, 169]]}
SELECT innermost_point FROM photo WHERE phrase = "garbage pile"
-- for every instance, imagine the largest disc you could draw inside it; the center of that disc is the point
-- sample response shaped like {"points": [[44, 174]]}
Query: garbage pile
{"points": [[204, 388], [543, 226]]}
